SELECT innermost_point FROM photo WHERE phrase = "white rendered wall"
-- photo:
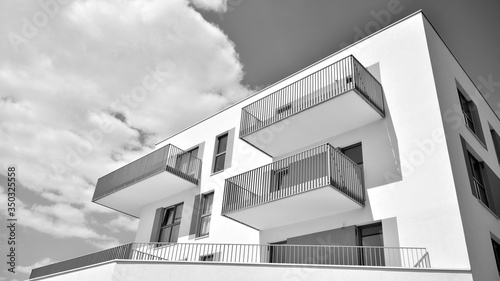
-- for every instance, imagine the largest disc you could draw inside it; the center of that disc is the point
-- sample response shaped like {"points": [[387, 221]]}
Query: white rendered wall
{"points": [[220, 272], [479, 223], [406, 161], [153, 271]]}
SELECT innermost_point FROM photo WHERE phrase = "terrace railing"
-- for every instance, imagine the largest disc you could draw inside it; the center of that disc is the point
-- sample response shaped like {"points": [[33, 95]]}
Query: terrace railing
{"points": [[322, 85], [168, 158], [314, 168], [250, 254]]}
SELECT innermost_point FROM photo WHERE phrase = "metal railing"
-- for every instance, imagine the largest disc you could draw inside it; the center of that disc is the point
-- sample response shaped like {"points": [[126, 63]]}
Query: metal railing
{"points": [[120, 252], [322, 85], [168, 158], [251, 253], [314, 168]]}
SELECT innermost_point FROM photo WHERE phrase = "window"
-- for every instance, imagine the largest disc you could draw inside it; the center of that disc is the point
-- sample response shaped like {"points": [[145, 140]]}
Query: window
{"points": [[205, 214], [278, 179], [471, 116], [207, 257], [194, 151], [355, 153], [372, 239], [220, 153], [478, 189], [496, 143], [187, 162], [170, 224], [496, 251], [283, 109], [466, 110]]}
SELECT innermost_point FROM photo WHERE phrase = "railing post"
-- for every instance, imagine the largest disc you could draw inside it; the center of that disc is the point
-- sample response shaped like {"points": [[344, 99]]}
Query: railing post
{"points": [[128, 251]]}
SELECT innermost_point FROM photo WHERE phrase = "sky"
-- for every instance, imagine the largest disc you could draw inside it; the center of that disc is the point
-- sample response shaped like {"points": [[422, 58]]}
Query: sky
{"points": [[89, 86]]}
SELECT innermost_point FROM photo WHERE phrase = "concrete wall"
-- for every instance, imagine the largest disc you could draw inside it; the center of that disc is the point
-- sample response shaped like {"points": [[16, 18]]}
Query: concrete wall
{"points": [[478, 222], [154, 271], [220, 272]]}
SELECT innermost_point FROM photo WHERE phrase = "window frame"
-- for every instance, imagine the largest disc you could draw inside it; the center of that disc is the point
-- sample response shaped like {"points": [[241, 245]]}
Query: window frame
{"points": [[218, 153], [202, 215], [496, 142], [470, 113], [465, 105], [496, 252], [478, 180], [278, 178], [170, 226]]}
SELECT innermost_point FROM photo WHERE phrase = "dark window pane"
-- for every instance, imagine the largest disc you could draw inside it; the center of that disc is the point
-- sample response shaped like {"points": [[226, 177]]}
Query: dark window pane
{"points": [[194, 152], [219, 162], [496, 143], [222, 144], [496, 251], [169, 217], [355, 153], [207, 258]]}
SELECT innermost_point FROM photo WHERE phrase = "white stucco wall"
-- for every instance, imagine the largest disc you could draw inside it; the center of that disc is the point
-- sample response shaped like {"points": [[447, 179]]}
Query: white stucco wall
{"points": [[219, 272], [479, 224]]}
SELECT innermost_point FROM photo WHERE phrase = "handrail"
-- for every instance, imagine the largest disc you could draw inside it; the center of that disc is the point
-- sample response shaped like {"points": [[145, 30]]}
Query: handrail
{"points": [[314, 168], [331, 81], [407, 257], [168, 158], [423, 262]]}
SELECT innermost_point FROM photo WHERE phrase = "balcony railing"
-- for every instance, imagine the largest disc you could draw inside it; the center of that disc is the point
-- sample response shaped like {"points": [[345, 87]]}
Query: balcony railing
{"points": [[320, 86], [250, 253], [314, 168], [168, 158]]}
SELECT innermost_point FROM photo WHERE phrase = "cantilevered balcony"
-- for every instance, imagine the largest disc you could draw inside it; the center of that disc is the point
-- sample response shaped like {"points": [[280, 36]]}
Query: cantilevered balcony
{"points": [[338, 98], [161, 173], [312, 184], [150, 254]]}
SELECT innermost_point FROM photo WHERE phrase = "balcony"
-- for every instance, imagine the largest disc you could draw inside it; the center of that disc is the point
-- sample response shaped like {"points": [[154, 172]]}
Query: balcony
{"points": [[312, 184], [245, 254], [338, 98], [161, 173]]}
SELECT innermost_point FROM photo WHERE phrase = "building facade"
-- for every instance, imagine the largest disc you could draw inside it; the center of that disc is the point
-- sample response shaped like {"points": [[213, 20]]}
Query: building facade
{"points": [[381, 160]]}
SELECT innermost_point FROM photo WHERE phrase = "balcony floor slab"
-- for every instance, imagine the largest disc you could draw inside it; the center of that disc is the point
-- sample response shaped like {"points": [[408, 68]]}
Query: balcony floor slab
{"points": [[333, 117], [132, 198], [310, 205]]}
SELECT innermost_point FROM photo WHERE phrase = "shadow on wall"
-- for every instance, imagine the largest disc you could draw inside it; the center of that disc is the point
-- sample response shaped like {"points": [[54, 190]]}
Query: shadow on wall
{"points": [[384, 150]]}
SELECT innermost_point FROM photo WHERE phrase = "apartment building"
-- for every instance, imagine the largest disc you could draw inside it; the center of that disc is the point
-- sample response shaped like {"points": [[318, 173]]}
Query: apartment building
{"points": [[379, 162]]}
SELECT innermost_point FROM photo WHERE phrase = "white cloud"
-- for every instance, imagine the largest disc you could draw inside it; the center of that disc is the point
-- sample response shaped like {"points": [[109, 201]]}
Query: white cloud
{"points": [[123, 223], [85, 71], [216, 5], [58, 220]]}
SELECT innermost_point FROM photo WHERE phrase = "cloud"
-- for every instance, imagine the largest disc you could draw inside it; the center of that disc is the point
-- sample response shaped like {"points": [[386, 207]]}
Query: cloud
{"points": [[59, 220], [27, 269], [216, 5], [123, 223], [94, 87]]}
